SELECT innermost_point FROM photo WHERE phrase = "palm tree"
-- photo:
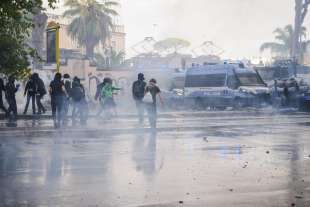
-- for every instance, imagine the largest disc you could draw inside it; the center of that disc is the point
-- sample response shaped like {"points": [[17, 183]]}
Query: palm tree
{"points": [[116, 57], [92, 22], [284, 42]]}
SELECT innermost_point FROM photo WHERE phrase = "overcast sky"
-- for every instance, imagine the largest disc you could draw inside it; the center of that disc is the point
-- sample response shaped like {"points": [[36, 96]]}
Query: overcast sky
{"points": [[238, 26]]}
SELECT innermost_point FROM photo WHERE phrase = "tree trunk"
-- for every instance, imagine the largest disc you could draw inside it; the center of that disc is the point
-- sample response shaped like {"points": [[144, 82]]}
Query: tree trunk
{"points": [[90, 50], [297, 28]]}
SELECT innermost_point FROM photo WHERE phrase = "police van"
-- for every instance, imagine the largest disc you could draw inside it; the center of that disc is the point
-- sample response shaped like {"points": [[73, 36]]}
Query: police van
{"points": [[225, 85]]}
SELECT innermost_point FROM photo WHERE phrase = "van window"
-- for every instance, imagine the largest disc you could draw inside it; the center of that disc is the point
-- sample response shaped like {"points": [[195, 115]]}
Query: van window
{"points": [[249, 79], [209, 80]]}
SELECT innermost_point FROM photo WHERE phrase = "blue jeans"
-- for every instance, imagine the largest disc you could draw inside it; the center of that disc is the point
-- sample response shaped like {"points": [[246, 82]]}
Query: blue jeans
{"points": [[152, 114], [57, 109]]}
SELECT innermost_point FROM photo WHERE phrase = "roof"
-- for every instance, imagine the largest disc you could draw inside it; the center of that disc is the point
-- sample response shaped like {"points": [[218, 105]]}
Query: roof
{"points": [[218, 69]]}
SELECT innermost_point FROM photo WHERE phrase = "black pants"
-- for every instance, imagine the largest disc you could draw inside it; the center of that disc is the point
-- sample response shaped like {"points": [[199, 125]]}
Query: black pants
{"points": [[2, 105], [39, 104], [57, 109], [33, 102], [12, 107], [152, 114]]}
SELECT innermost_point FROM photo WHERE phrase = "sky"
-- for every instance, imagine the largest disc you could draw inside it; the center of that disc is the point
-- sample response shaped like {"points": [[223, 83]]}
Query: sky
{"points": [[239, 27]]}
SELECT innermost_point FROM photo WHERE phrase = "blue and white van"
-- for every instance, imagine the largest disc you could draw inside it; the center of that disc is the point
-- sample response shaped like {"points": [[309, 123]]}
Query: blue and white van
{"points": [[225, 85]]}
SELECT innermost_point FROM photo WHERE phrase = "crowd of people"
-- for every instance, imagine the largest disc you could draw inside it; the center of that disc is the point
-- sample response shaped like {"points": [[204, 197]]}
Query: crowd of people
{"points": [[67, 93]]}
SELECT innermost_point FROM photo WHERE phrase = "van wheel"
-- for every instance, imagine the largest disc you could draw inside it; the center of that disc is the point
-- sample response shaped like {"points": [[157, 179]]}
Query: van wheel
{"points": [[238, 103], [221, 108], [199, 105]]}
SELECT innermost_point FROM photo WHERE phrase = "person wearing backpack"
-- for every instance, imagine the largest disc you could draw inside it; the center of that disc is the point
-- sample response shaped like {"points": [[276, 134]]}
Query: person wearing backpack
{"points": [[98, 95], [10, 91], [2, 88], [107, 99], [79, 104], [40, 92], [150, 96], [68, 88], [57, 92], [138, 90], [30, 92]]}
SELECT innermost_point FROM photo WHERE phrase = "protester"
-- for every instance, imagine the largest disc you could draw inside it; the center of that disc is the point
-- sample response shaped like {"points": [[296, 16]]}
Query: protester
{"points": [[107, 99], [99, 89], [138, 90], [30, 92], [98, 95], [151, 92], [57, 92], [286, 94], [78, 102], [68, 87], [2, 88], [10, 90], [40, 92]]}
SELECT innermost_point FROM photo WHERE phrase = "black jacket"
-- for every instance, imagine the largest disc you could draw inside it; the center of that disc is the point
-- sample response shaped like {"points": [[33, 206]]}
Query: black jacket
{"points": [[30, 88], [10, 90]]}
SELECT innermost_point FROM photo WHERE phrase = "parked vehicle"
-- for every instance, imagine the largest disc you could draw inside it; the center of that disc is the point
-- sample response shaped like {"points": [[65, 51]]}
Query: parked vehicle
{"points": [[224, 85], [290, 92]]}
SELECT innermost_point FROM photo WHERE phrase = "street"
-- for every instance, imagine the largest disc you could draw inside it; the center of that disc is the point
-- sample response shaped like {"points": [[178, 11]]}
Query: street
{"points": [[207, 158]]}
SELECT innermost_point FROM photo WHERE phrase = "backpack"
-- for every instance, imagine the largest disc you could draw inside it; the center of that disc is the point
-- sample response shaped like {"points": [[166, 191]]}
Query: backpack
{"points": [[138, 89], [56, 87], [106, 92], [41, 87], [68, 87], [148, 98], [99, 90], [77, 93]]}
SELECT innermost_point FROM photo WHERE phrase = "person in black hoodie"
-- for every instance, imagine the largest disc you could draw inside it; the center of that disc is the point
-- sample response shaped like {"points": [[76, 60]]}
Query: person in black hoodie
{"points": [[138, 91], [57, 92], [30, 91], [40, 92], [2, 88], [68, 87], [10, 90], [79, 104]]}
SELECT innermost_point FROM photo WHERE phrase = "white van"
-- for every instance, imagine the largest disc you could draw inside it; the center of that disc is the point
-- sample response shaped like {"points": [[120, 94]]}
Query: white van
{"points": [[224, 85]]}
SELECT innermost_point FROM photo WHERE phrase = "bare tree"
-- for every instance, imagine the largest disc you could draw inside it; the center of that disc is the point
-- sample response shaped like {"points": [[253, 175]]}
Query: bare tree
{"points": [[301, 10]]}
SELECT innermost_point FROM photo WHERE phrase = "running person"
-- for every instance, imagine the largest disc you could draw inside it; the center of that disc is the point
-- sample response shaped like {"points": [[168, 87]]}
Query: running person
{"points": [[151, 92]]}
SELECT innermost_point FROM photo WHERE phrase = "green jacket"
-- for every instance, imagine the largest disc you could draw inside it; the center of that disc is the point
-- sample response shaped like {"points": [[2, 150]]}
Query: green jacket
{"points": [[107, 91]]}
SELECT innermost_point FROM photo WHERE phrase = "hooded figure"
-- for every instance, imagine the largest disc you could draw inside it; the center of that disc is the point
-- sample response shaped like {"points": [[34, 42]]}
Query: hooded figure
{"points": [[40, 93], [10, 90], [57, 93], [138, 90], [30, 92], [78, 102], [2, 88], [68, 87]]}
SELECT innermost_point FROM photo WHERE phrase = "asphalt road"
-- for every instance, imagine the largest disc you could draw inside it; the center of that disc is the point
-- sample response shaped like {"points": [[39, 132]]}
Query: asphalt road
{"points": [[245, 158]]}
